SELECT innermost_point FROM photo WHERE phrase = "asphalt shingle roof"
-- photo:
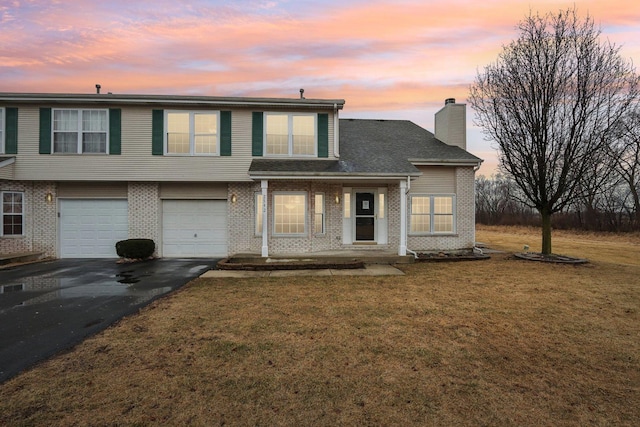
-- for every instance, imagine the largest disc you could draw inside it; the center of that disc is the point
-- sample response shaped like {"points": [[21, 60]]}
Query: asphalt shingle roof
{"points": [[373, 147]]}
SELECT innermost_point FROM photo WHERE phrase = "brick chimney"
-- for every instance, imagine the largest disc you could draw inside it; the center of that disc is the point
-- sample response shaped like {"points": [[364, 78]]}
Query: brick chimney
{"points": [[451, 124]]}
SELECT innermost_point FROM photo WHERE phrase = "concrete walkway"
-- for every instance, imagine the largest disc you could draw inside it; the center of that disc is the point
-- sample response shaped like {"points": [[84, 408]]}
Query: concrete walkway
{"points": [[368, 270]]}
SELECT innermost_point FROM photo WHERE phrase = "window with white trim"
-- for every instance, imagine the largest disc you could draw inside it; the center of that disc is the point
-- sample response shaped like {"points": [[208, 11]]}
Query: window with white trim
{"points": [[12, 213], [192, 133], [432, 214], [318, 221], [290, 134], [258, 214], [2, 120], [289, 213], [80, 131]]}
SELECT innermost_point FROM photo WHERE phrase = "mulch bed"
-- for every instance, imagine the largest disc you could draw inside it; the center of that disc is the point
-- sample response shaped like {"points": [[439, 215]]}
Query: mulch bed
{"points": [[553, 258], [450, 257]]}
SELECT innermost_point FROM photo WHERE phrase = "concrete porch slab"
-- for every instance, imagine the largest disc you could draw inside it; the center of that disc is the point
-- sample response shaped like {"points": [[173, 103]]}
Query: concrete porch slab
{"points": [[368, 270]]}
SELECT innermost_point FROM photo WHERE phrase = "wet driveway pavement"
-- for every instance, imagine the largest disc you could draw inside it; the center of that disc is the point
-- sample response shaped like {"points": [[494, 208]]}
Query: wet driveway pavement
{"points": [[51, 306]]}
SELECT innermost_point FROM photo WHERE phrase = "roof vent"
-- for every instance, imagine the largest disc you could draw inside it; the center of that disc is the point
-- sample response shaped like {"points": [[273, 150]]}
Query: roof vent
{"points": [[98, 88], [301, 93], [449, 101]]}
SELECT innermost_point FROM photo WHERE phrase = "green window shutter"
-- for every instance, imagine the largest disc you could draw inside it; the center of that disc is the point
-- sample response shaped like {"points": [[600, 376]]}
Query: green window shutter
{"points": [[257, 134], [225, 133], [157, 133], [323, 135], [11, 131], [45, 131], [115, 130]]}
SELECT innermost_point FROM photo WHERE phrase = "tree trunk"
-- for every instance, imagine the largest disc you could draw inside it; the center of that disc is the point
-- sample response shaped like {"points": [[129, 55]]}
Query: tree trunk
{"points": [[546, 232]]}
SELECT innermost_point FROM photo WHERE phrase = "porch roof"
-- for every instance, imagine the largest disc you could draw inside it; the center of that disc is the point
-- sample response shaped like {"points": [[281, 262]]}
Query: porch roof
{"points": [[371, 149]]}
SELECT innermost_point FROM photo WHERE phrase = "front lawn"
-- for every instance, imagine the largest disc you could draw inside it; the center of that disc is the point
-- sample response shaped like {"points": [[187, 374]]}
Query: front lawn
{"points": [[497, 342]]}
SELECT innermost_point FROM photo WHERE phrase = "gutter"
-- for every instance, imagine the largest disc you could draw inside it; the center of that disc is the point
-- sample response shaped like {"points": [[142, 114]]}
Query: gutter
{"points": [[159, 100]]}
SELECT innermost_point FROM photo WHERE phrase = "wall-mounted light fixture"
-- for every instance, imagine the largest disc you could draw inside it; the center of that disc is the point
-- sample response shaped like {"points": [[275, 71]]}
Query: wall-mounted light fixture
{"points": [[49, 197], [337, 199], [234, 198]]}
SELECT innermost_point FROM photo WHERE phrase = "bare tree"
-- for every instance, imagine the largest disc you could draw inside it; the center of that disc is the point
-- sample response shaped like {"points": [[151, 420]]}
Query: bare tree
{"points": [[627, 154], [550, 102]]}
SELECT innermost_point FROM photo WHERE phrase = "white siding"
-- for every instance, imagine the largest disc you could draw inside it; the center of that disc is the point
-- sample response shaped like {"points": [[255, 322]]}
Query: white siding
{"points": [[435, 180], [136, 163]]}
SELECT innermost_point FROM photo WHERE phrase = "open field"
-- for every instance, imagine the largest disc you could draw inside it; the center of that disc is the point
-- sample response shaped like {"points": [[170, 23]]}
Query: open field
{"points": [[497, 342]]}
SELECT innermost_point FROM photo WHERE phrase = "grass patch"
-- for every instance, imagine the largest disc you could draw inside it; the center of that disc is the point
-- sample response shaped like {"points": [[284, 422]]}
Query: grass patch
{"points": [[497, 342]]}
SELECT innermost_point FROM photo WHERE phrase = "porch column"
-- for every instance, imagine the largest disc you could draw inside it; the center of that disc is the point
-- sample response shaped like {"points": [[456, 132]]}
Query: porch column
{"points": [[264, 184], [402, 249]]}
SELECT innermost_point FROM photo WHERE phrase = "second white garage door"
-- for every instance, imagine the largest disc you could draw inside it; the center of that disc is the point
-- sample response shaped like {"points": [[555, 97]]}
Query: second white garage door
{"points": [[194, 228]]}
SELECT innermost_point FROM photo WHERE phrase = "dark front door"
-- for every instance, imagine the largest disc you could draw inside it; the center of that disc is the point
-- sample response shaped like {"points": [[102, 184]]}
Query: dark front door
{"points": [[365, 217]]}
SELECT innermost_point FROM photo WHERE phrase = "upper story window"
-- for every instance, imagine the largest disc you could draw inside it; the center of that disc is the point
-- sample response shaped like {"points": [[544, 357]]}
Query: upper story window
{"points": [[192, 133], [80, 131], [1, 130], [290, 134]]}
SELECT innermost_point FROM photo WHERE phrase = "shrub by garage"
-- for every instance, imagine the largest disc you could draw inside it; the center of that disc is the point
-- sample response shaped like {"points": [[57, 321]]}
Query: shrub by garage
{"points": [[135, 248]]}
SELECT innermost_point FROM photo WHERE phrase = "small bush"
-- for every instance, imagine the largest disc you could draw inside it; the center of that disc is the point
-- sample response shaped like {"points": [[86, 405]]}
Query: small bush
{"points": [[135, 248]]}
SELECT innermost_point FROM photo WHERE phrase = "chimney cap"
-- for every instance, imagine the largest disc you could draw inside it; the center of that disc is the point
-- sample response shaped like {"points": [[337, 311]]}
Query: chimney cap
{"points": [[449, 101]]}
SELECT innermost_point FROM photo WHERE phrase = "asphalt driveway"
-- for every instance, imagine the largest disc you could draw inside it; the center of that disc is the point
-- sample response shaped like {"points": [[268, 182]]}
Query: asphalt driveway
{"points": [[49, 307]]}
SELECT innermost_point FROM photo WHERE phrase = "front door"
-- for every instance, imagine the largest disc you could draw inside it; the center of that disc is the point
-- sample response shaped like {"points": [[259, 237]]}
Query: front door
{"points": [[365, 217]]}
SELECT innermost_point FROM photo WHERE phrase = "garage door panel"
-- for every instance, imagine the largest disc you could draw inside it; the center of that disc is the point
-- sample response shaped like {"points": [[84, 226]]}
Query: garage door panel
{"points": [[90, 228], [194, 228]]}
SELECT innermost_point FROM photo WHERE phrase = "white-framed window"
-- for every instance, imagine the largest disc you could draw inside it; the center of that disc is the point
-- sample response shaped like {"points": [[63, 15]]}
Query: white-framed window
{"points": [[192, 133], [290, 134], [258, 214], [12, 213], [432, 214], [2, 132], [289, 213], [80, 131], [318, 211]]}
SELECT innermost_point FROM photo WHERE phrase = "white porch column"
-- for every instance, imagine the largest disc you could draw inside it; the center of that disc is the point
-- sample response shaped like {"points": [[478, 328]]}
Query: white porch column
{"points": [[402, 249], [264, 184]]}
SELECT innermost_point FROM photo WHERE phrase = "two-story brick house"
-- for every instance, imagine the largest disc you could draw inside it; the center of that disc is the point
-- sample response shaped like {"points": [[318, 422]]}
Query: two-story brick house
{"points": [[214, 176]]}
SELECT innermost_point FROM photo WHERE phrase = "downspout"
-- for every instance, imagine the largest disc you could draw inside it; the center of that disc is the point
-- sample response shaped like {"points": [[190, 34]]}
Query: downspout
{"points": [[336, 131], [406, 239]]}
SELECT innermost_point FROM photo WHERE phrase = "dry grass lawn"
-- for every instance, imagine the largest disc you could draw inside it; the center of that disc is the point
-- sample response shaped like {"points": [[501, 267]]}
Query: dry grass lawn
{"points": [[497, 342]]}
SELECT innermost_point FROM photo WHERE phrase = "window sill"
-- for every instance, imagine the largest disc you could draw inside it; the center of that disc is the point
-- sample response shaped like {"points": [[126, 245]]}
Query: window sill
{"points": [[190, 155], [433, 235], [79, 154], [12, 236]]}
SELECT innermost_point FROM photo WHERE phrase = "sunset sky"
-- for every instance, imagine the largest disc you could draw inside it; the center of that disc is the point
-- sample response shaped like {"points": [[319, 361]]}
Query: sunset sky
{"points": [[387, 59]]}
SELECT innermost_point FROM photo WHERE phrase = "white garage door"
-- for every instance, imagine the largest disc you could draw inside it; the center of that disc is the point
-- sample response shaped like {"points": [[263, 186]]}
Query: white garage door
{"points": [[90, 228], [194, 228]]}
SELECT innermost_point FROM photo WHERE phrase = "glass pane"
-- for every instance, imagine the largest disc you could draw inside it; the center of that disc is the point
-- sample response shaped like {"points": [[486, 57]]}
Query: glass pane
{"points": [[65, 142], [420, 205], [206, 123], [420, 224], [443, 223], [94, 142], [12, 225], [277, 134], [443, 205], [381, 207], [289, 213], [94, 120], [304, 135], [178, 123], [65, 120], [178, 143], [205, 144], [319, 223], [1, 119], [346, 200], [258, 209], [319, 203]]}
